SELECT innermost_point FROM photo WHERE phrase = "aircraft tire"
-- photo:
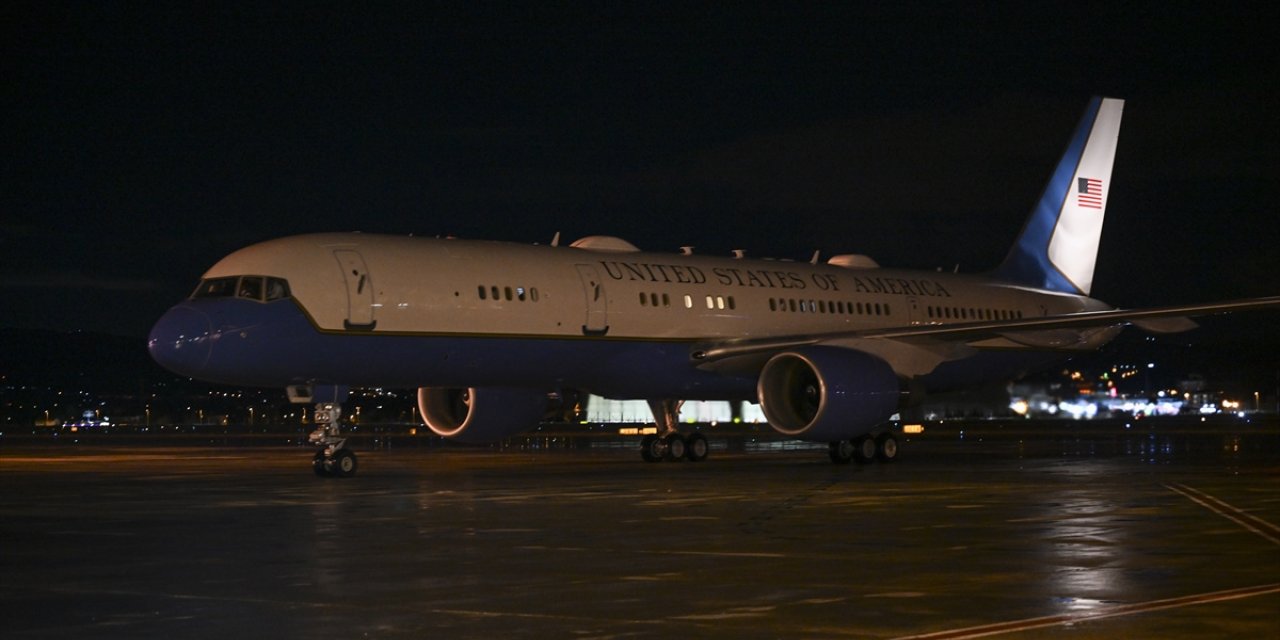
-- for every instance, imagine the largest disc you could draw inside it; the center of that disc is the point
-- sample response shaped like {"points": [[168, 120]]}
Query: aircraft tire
{"points": [[652, 449], [864, 449], [841, 451], [317, 465], [886, 447], [344, 463], [676, 447], [696, 448]]}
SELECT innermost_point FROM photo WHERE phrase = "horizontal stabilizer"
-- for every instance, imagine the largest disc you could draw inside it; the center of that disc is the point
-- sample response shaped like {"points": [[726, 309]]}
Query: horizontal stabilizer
{"points": [[1175, 324]]}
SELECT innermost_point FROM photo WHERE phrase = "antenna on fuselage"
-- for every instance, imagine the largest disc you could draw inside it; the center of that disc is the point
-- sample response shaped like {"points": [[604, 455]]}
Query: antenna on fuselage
{"points": [[555, 242], [686, 250], [814, 259], [739, 253]]}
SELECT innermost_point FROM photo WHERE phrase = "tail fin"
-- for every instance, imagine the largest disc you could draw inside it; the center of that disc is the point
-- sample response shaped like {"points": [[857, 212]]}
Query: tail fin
{"points": [[1059, 244]]}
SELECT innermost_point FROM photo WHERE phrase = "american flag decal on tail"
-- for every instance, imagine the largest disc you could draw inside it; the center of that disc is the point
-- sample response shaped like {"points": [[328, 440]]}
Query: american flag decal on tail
{"points": [[1089, 192]]}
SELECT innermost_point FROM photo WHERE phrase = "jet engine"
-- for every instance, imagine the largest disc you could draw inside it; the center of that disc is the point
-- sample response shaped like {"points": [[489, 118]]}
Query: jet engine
{"points": [[826, 394], [477, 416]]}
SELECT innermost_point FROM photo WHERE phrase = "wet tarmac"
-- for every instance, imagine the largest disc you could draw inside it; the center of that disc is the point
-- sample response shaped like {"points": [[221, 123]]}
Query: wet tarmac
{"points": [[1099, 535]]}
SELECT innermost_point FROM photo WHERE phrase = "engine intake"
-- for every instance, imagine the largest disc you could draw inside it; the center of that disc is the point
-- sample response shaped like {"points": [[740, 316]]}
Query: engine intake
{"points": [[478, 416], [826, 394]]}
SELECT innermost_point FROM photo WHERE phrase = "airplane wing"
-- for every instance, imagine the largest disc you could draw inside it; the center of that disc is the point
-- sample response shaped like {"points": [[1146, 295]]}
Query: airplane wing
{"points": [[1172, 319]]}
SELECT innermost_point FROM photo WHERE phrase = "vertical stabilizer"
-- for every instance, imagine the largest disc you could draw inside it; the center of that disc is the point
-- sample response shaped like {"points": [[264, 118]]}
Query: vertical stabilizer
{"points": [[1058, 246]]}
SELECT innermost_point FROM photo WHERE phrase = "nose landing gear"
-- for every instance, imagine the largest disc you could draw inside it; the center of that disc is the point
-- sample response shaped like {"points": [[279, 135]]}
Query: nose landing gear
{"points": [[332, 459]]}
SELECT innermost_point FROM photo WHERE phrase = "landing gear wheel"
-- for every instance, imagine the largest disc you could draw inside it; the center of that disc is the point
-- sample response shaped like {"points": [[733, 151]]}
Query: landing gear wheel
{"points": [[344, 463], [675, 446], [887, 447], [842, 451], [653, 448], [696, 447], [317, 465], [864, 449]]}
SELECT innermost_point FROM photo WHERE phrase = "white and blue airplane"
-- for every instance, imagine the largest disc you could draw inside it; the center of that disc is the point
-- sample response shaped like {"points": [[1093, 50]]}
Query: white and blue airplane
{"points": [[487, 330]]}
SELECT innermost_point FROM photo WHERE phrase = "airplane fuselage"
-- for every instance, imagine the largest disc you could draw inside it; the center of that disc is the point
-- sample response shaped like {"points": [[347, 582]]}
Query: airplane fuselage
{"points": [[374, 310]]}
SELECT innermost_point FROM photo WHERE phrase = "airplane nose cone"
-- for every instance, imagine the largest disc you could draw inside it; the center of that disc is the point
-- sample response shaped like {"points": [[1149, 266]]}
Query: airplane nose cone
{"points": [[180, 340]]}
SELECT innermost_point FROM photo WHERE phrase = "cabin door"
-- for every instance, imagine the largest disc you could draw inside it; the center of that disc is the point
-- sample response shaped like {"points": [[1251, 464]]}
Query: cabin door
{"points": [[597, 320], [360, 303]]}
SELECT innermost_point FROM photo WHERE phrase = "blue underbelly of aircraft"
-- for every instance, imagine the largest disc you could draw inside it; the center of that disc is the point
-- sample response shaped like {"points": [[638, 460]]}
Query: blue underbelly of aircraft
{"points": [[274, 345]]}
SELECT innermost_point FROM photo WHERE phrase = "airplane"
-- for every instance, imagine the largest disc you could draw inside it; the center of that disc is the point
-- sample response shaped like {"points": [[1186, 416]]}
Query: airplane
{"points": [[487, 330]]}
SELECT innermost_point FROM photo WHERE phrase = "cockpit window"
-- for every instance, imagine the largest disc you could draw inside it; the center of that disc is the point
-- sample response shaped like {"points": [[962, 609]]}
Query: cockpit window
{"points": [[250, 287], [277, 289], [257, 288], [216, 288]]}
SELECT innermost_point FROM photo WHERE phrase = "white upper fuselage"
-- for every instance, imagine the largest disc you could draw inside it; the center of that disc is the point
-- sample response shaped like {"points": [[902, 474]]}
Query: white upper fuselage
{"points": [[379, 284]]}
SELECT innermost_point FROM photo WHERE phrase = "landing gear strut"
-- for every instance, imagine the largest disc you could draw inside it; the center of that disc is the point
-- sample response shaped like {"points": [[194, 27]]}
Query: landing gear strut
{"points": [[668, 444], [332, 458]]}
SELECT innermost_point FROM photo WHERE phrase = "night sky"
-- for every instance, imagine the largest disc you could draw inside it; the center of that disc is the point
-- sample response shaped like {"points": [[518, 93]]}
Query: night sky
{"points": [[142, 143]]}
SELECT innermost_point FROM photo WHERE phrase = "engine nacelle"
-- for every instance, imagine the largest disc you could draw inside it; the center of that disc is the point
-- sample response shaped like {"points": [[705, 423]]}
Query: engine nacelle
{"points": [[825, 394], [478, 416]]}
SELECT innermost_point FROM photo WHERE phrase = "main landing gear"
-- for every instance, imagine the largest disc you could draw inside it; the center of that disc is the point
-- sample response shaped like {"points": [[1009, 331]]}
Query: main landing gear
{"points": [[669, 444], [865, 448], [332, 458]]}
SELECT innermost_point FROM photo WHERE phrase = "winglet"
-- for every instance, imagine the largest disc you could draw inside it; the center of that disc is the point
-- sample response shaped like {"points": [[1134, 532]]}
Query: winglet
{"points": [[1058, 247]]}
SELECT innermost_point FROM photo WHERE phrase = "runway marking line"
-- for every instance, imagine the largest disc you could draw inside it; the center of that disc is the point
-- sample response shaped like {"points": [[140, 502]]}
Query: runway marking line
{"points": [[715, 554], [474, 613], [1250, 522], [1014, 626], [106, 457]]}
